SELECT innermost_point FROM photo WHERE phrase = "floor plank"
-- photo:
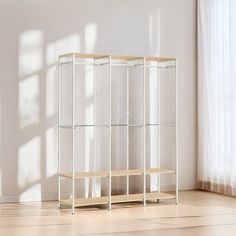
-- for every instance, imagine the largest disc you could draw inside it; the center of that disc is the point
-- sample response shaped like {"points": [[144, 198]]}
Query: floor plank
{"points": [[199, 213]]}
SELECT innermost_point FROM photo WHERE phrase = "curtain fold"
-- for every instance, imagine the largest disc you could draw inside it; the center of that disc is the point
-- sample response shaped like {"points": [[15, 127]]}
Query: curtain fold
{"points": [[217, 96]]}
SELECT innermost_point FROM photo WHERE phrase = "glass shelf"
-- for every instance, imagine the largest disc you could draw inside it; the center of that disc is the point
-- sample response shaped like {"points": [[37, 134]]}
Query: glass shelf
{"points": [[115, 64], [114, 125]]}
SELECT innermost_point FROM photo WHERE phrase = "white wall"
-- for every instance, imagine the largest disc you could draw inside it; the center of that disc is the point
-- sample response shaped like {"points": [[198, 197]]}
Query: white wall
{"points": [[33, 33]]}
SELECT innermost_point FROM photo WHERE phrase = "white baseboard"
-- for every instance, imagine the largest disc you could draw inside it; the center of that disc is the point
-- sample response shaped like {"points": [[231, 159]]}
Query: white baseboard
{"points": [[52, 196]]}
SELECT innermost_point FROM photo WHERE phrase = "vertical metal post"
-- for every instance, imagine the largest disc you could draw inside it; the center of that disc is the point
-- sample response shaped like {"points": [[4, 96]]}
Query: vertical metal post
{"points": [[144, 131], [159, 127], [73, 133], [127, 130], [94, 127], [58, 134], [177, 130], [110, 126]]}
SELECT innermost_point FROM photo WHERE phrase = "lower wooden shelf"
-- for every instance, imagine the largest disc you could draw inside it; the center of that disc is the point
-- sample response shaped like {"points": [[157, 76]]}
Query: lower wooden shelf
{"points": [[116, 173], [117, 199], [86, 201]]}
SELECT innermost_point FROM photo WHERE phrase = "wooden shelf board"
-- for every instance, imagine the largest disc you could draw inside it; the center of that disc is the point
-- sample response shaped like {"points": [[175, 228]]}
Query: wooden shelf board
{"points": [[117, 173], [127, 198], [126, 58], [159, 170], [86, 201], [157, 195], [161, 59], [86, 174], [66, 202], [117, 199]]}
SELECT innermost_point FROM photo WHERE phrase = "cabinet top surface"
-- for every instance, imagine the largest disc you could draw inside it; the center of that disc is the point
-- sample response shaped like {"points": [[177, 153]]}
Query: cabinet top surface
{"points": [[115, 57]]}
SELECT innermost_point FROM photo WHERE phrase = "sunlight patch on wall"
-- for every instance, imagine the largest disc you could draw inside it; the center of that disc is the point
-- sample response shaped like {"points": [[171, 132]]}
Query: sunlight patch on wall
{"points": [[154, 29], [0, 183], [90, 39], [29, 107], [29, 163], [62, 46], [152, 117], [154, 156], [0, 140], [30, 52], [89, 109], [51, 92], [51, 152], [31, 194]]}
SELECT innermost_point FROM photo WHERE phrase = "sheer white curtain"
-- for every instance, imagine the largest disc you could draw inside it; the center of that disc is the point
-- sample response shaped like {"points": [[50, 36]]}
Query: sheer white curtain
{"points": [[217, 95]]}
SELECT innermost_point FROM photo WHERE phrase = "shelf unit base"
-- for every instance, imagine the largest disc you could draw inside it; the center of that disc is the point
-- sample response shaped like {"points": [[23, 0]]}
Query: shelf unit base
{"points": [[117, 199]]}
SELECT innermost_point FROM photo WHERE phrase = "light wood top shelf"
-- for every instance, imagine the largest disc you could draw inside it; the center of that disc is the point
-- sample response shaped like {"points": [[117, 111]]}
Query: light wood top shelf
{"points": [[115, 57], [160, 59], [118, 199], [116, 173]]}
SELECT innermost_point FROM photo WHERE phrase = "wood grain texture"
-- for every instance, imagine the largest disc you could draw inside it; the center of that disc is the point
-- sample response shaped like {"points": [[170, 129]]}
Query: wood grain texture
{"points": [[116, 173], [198, 214], [117, 199]]}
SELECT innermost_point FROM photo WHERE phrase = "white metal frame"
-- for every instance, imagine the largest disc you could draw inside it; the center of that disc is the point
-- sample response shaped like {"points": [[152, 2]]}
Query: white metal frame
{"points": [[73, 134], [110, 136], [94, 123], [144, 133], [177, 131], [71, 59], [58, 134], [159, 121], [127, 128]]}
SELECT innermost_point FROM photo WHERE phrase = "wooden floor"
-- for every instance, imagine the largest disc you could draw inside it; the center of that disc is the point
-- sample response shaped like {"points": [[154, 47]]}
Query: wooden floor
{"points": [[199, 213]]}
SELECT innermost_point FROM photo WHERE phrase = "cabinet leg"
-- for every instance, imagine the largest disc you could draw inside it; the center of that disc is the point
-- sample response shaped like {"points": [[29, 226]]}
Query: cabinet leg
{"points": [[109, 206], [177, 199]]}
